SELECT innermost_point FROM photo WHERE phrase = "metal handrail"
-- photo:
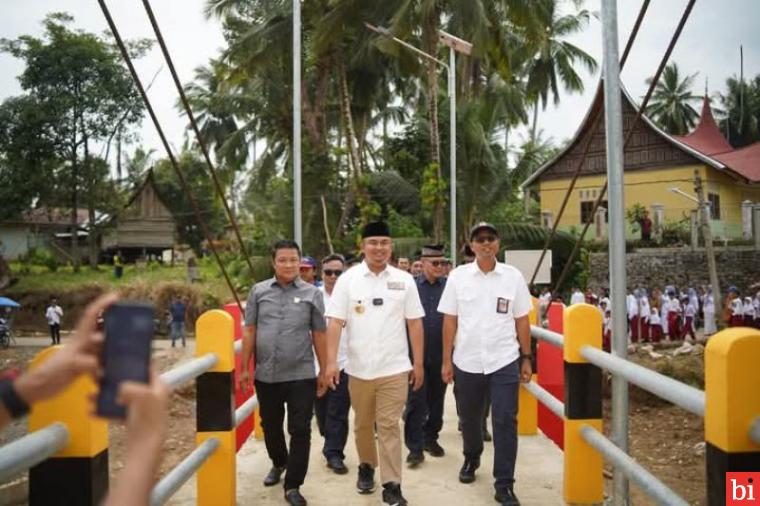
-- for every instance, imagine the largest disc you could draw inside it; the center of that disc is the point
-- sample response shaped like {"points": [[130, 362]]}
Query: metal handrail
{"points": [[246, 410], [649, 484], [754, 431], [189, 370], [177, 477], [28, 451], [548, 336], [682, 395], [547, 399]]}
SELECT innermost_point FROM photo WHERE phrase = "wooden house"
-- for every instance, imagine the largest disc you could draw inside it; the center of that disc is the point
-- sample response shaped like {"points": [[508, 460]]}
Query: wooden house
{"points": [[144, 227]]}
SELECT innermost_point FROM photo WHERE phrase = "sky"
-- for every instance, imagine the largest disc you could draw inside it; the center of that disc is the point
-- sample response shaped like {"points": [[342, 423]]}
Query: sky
{"points": [[709, 46]]}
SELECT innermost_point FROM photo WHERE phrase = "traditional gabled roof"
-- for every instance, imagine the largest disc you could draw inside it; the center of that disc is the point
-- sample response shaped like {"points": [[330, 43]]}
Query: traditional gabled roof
{"points": [[706, 138], [745, 161], [686, 151]]}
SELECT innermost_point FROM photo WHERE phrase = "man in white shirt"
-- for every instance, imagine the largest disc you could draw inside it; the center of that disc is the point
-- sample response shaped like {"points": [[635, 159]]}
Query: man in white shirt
{"points": [[486, 306], [377, 303], [632, 306], [577, 296], [53, 315], [332, 408]]}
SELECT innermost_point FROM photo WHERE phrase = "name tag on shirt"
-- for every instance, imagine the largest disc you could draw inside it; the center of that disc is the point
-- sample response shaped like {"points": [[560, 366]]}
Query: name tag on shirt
{"points": [[502, 305], [396, 285]]}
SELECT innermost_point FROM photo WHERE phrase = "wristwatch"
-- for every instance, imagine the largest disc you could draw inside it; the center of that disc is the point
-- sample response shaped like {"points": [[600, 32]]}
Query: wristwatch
{"points": [[14, 404], [526, 356]]}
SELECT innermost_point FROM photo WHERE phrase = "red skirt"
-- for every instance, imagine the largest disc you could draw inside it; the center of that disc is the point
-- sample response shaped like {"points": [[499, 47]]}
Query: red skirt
{"points": [[644, 330], [736, 321], [655, 331], [635, 329], [674, 325]]}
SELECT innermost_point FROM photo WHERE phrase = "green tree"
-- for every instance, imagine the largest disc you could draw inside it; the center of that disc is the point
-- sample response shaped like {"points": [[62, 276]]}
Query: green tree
{"points": [[78, 80], [670, 106], [741, 104], [553, 59], [168, 186]]}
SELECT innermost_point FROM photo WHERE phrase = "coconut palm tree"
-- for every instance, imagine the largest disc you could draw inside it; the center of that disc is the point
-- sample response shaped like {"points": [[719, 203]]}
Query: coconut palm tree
{"points": [[670, 106], [553, 59]]}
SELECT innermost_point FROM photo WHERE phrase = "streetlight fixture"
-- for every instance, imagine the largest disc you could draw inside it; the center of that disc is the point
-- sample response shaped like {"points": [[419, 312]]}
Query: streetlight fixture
{"points": [[455, 45]]}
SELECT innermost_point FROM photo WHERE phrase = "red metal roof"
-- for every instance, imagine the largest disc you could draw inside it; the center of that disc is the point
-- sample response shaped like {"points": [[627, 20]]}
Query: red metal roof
{"points": [[745, 161], [706, 138]]}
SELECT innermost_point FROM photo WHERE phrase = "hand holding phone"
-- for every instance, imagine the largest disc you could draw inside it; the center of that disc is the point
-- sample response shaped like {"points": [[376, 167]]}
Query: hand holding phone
{"points": [[126, 353]]}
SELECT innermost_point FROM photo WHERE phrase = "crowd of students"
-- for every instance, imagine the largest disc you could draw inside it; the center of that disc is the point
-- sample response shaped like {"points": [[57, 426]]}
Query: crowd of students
{"points": [[670, 314]]}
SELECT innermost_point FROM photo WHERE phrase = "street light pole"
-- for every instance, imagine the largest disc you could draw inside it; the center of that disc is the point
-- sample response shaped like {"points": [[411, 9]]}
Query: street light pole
{"points": [[453, 154], [455, 44], [297, 230]]}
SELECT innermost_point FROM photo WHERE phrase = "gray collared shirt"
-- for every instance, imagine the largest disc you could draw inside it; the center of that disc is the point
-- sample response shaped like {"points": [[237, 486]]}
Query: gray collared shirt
{"points": [[284, 318]]}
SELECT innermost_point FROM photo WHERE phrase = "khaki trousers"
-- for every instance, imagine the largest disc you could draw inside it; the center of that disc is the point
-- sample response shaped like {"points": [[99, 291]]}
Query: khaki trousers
{"points": [[379, 401]]}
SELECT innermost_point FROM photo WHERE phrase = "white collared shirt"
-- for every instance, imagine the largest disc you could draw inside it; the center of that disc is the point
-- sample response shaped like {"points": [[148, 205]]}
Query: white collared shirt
{"points": [[577, 298], [343, 345], [375, 308], [53, 314], [486, 306]]}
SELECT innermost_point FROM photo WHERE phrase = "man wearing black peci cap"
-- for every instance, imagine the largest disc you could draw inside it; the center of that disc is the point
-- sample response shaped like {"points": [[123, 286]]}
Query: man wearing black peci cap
{"points": [[486, 306], [424, 409], [377, 304]]}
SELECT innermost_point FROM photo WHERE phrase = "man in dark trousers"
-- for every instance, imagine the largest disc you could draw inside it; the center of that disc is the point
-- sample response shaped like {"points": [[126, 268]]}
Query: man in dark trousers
{"points": [[284, 324], [486, 306], [178, 310], [424, 408]]}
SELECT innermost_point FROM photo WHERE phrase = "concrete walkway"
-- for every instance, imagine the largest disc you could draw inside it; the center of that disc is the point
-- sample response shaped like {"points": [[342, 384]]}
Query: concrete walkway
{"points": [[434, 483]]}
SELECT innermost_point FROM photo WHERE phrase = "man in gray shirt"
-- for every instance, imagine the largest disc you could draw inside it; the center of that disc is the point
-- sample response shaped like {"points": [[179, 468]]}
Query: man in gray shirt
{"points": [[284, 324]]}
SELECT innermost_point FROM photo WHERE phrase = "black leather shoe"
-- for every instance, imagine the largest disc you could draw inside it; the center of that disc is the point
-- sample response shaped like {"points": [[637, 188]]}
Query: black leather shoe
{"points": [[467, 473], [507, 497], [392, 494], [337, 465], [414, 459], [273, 478], [294, 497], [365, 483], [434, 449], [487, 436]]}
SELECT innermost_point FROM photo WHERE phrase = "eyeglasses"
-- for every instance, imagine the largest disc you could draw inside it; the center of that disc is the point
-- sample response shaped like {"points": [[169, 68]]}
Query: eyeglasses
{"points": [[330, 272], [485, 238], [439, 263]]}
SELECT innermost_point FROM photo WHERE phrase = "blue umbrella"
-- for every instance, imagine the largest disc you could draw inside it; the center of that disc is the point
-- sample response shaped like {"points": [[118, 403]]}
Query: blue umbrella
{"points": [[6, 302]]}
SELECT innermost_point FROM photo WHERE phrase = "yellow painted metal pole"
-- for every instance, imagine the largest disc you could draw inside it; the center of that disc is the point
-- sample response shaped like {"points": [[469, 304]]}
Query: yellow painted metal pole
{"points": [[583, 479], [732, 403], [527, 405], [215, 411]]}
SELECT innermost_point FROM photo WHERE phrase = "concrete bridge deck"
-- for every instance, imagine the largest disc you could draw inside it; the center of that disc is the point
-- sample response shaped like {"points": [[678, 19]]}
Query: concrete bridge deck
{"points": [[434, 483]]}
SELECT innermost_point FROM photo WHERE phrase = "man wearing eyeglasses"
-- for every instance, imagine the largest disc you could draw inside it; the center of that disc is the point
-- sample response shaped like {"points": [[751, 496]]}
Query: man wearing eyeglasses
{"points": [[378, 304], [332, 409], [424, 409], [486, 306]]}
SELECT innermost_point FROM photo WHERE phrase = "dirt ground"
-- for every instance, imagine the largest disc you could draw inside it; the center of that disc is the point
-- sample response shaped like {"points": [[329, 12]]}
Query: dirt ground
{"points": [[665, 439], [181, 438]]}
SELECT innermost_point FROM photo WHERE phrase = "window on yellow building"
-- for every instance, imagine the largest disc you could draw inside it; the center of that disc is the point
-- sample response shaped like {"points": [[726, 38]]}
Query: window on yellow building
{"points": [[587, 209], [714, 201]]}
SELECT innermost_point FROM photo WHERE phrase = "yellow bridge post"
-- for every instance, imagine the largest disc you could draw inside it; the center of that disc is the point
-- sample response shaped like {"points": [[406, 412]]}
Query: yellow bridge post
{"points": [[732, 403], [527, 404], [583, 478], [78, 474], [215, 410]]}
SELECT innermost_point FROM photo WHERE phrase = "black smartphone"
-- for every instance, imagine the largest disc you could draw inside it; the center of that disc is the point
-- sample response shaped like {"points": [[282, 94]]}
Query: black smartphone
{"points": [[126, 352]]}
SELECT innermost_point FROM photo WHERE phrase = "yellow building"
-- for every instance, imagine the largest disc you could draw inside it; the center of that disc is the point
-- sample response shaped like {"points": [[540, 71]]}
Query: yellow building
{"points": [[659, 170]]}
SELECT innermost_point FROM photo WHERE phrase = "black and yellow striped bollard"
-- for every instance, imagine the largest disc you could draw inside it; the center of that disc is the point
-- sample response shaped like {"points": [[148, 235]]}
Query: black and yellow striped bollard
{"points": [[583, 466], [732, 404], [78, 474], [215, 410]]}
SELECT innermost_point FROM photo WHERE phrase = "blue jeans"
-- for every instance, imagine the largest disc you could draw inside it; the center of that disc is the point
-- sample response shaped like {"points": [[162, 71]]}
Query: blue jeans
{"points": [[503, 385], [178, 330]]}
